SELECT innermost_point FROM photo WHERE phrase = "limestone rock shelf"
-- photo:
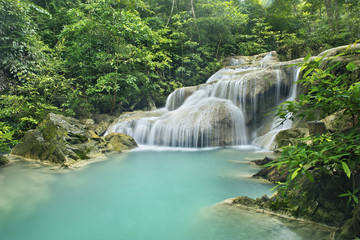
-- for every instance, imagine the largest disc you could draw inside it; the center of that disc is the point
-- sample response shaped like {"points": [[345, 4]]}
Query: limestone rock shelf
{"points": [[65, 140]]}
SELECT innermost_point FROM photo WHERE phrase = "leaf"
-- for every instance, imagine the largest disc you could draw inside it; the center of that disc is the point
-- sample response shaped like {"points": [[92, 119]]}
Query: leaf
{"points": [[345, 194], [351, 66], [346, 169], [307, 57], [308, 72], [356, 200], [295, 173], [303, 68], [309, 176]]}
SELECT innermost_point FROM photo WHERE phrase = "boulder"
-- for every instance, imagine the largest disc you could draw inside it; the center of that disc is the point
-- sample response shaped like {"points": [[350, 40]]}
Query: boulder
{"points": [[88, 122], [119, 142], [102, 122], [261, 162], [290, 136], [351, 227], [273, 174], [337, 122], [65, 140]]}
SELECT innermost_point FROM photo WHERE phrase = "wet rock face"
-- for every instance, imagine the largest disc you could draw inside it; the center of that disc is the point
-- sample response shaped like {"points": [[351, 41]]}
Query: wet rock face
{"points": [[63, 140]]}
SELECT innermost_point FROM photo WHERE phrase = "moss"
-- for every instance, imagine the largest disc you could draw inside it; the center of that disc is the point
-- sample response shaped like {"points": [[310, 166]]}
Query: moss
{"points": [[31, 146], [289, 136]]}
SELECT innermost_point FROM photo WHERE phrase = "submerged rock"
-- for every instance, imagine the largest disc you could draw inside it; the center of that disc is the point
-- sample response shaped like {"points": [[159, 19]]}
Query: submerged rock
{"points": [[65, 140]]}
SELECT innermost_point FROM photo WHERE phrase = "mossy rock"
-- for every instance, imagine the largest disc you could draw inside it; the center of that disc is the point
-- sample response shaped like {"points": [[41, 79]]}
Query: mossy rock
{"points": [[290, 136], [119, 142], [50, 141], [337, 122], [273, 174], [351, 228], [65, 140]]}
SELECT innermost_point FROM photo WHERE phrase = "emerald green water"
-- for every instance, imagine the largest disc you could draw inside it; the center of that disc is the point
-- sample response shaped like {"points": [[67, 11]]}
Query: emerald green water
{"points": [[144, 194]]}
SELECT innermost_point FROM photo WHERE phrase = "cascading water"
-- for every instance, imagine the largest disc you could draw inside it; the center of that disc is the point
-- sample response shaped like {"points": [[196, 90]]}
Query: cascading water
{"points": [[229, 109], [267, 140]]}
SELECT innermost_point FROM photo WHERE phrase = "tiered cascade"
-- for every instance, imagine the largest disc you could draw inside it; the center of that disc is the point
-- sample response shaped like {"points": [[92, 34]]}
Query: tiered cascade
{"points": [[231, 108]]}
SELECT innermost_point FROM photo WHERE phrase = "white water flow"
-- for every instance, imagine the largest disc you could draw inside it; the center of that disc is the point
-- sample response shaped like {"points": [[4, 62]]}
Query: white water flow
{"points": [[229, 109], [267, 140]]}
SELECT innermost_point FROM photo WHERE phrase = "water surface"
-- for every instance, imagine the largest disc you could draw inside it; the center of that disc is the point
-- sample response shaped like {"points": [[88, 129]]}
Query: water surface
{"points": [[145, 194]]}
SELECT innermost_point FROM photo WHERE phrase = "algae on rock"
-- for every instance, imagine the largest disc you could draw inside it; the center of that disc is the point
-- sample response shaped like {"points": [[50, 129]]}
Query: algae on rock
{"points": [[65, 140]]}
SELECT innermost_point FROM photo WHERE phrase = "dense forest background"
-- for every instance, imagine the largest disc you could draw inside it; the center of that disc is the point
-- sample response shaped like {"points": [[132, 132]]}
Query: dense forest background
{"points": [[81, 58]]}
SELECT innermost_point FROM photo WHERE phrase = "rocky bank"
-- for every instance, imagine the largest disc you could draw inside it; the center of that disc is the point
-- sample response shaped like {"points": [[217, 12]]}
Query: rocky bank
{"points": [[65, 141]]}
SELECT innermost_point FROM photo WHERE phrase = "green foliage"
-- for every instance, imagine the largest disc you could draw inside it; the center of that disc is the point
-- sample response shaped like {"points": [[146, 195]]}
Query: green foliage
{"points": [[351, 196], [6, 137], [327, 91], [85, 57]]}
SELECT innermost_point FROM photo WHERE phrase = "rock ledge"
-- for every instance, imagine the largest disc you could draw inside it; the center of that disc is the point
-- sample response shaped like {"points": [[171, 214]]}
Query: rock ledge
{"points": [[65, 140]]}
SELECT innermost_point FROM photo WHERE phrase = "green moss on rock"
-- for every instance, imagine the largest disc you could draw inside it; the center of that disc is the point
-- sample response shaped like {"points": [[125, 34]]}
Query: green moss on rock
{"points": [[64, 140], [119, 142], [290, 136]]}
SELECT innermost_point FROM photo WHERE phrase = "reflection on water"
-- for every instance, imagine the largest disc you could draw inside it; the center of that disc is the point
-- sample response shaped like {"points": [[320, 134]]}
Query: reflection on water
{"points": [[22, 186]]}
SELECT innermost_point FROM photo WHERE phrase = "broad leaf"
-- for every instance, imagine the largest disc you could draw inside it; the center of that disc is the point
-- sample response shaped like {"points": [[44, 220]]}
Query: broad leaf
{"points": [[351, 66], [307, 57], [295, 173], [346, 169]]}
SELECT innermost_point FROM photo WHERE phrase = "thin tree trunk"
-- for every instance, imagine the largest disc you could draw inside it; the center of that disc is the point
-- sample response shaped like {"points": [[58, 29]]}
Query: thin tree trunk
{"points": [[329, 12], [172, 9], [336, 15], [217, 50], [113, 102], [194, 16]]}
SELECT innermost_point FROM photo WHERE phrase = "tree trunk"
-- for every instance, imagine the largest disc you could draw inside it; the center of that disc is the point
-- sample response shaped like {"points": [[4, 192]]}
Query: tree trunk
{"points": [[336, 15], [172, 9], [194, 16], [330, 15]]}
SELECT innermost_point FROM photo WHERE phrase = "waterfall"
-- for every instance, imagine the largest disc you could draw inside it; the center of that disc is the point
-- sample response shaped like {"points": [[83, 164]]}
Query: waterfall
{"points": [[267, 140], [175, 99], [229, 109]]}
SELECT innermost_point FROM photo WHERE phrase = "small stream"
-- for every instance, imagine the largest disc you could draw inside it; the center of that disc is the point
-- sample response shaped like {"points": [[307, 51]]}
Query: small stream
{"points": [[146, 194]]}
